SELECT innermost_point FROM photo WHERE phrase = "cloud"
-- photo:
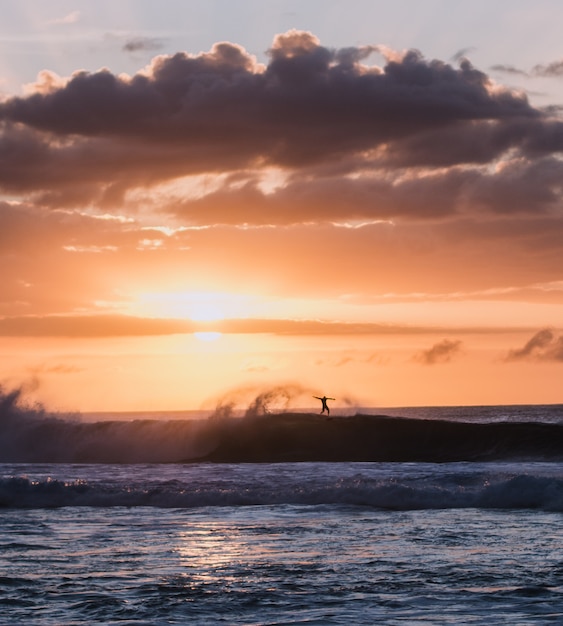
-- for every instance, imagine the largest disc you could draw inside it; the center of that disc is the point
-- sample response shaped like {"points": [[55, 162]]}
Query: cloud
{"points": [[94, 137], [223, 95], [441, 352], [348, 358], [519, 187], [509, 69], [543, 346], [461, 55], [117, 325], [91, 326], [551, 70], [142, 44]]}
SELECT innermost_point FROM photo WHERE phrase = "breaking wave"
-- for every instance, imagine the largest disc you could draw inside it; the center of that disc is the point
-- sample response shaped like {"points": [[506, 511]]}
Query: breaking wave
{"points": [[31, 434], [409, 488]]}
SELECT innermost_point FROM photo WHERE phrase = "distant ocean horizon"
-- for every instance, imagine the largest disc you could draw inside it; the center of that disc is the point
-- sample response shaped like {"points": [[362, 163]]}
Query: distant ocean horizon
{"points": [[546, 413]]}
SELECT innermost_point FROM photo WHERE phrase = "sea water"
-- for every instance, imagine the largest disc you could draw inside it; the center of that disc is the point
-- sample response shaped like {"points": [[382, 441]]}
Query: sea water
{"points": [[283, 543]]}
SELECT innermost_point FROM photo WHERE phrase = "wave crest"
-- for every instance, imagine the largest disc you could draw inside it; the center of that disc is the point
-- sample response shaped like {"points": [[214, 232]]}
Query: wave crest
{"points": [[393, 493]]}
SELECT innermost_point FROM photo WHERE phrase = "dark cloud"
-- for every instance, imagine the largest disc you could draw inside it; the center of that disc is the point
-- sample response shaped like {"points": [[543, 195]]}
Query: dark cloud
{"points": [[543, 346], [477, 144], [551, 70], [329, 199], [220, 111], [143, 44], [306, 92], [509, 69], [461, 55], [520, 187], [441, 352]]}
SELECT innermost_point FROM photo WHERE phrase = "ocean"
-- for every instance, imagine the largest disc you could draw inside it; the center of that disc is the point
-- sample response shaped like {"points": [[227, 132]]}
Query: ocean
{"points": [[450, 515]]}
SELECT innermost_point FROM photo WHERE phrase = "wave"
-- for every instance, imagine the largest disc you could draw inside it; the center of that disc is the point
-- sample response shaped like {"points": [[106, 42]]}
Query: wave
{"points": [[520, 491], [299, 437], [31, 434]]}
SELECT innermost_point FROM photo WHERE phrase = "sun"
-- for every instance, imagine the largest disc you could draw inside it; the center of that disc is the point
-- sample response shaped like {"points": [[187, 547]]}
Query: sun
{"points": [[205, 307], [205, 311], [197, 306]]}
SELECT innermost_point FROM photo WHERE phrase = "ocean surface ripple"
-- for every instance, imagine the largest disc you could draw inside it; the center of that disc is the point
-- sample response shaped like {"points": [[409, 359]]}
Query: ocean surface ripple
{"points": [[333, 564]]}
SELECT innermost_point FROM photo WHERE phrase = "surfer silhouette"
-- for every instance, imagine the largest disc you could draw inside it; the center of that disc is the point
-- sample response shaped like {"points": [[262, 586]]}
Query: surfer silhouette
{"points": [[325, 405]]}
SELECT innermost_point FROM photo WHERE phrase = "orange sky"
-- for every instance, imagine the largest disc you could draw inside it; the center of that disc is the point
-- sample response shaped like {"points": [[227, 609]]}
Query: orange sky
{"points": [[382, 227]]}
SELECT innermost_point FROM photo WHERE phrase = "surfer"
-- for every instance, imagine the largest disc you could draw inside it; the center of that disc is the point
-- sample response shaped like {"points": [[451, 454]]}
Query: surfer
{"points": [[325, 405]]}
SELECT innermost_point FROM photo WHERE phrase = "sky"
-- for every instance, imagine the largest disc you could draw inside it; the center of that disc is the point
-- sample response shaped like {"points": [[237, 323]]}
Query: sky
{"points": [[201, 199]]}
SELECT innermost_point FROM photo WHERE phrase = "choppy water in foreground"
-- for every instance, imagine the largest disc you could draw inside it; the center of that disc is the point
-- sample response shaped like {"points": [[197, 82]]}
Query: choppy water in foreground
{"points": [[294, 543]]}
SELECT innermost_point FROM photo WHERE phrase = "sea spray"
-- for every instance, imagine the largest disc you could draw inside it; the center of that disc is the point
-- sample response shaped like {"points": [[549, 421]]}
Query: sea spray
{"points": [[29, 433], [252, 400]]}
